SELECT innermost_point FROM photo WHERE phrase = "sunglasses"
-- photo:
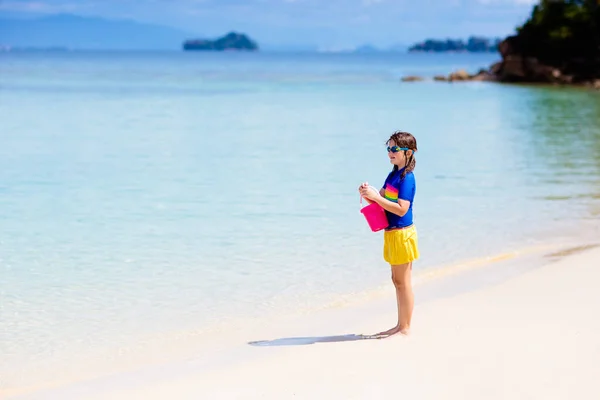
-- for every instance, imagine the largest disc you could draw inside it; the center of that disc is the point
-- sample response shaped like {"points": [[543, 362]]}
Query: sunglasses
{"points": [[395, 149]]}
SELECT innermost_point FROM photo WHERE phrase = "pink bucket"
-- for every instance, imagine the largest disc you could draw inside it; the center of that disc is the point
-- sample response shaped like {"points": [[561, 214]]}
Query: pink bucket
{"points": [[375, 215]]}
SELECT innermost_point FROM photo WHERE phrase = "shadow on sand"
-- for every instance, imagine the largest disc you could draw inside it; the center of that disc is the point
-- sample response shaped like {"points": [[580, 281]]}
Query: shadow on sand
{"points": [[303, 341]]}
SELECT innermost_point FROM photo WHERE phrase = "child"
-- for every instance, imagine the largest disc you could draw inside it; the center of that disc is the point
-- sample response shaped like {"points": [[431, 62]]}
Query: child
{"points": [[400, 246]]}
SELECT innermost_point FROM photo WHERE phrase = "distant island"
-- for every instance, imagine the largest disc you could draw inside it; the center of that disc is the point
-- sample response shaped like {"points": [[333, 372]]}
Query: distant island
{"points": [[472, 45], [231, 41]]}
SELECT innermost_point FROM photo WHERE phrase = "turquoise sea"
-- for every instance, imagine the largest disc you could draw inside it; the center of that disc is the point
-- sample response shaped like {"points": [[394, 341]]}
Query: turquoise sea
{"points": [[147, 194]]}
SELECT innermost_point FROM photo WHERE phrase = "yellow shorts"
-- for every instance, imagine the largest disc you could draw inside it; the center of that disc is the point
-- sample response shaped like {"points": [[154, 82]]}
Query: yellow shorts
{"points": [[400, 246]]}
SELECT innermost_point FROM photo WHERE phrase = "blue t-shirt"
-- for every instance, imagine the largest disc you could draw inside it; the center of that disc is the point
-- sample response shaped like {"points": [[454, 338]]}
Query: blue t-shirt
{"points": [[396, 188]]}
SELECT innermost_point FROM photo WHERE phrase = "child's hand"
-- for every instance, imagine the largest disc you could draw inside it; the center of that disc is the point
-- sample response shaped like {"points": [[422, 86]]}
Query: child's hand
{"points": [[368, 192], [362, 188]]}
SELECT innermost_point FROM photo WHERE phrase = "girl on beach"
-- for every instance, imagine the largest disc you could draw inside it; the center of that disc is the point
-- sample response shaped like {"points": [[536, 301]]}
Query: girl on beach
{"points": [[400, 245]]}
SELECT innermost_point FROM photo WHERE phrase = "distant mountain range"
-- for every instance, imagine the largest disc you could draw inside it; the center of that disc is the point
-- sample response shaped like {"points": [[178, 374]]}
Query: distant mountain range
{"points": [[77, 32]]}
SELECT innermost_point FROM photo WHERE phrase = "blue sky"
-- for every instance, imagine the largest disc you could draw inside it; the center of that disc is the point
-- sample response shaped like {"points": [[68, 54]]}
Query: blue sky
{"points": [[330, 24]]}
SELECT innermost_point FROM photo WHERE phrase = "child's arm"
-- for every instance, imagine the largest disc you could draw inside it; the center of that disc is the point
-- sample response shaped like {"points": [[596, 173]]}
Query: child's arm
{"points": [[381, 193], [400, 208]]}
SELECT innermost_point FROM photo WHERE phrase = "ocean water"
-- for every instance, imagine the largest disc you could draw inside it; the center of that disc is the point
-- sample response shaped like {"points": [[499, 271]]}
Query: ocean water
{"points": [[148, 193]]}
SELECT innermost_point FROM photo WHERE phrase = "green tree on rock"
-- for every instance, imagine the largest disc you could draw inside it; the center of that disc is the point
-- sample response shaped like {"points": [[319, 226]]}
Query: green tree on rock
{"points": [[563, 34]]}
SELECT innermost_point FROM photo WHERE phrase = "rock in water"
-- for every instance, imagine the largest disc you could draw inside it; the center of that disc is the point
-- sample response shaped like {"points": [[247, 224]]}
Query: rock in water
{"points": [[411, 78]]}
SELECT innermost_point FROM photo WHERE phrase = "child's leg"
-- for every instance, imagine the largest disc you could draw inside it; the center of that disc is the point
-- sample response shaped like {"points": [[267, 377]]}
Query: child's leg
{"points": [[401, 277]]}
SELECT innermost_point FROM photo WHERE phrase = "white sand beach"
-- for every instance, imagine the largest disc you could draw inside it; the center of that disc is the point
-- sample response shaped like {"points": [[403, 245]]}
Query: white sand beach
{"points": [[514, 334]]}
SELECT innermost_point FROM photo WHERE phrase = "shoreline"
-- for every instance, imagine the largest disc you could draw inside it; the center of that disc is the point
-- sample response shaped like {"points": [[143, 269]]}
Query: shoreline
{"points": [[233, 349]]}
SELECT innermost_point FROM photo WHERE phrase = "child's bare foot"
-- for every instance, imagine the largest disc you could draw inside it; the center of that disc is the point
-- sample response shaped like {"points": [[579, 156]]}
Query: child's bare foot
{"points": [[393, 331], [389, 332]]}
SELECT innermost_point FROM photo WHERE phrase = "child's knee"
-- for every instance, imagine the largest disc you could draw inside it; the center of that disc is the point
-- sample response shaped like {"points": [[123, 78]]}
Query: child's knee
{"points": [[401, 275], [400, 281]]}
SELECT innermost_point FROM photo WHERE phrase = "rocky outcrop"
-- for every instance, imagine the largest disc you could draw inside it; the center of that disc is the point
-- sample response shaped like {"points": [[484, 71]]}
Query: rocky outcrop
{"points": [[518, 66]]}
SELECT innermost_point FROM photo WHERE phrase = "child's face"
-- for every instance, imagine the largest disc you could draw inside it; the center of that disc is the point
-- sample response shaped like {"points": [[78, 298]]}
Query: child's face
{"points": [[398, 158]]}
